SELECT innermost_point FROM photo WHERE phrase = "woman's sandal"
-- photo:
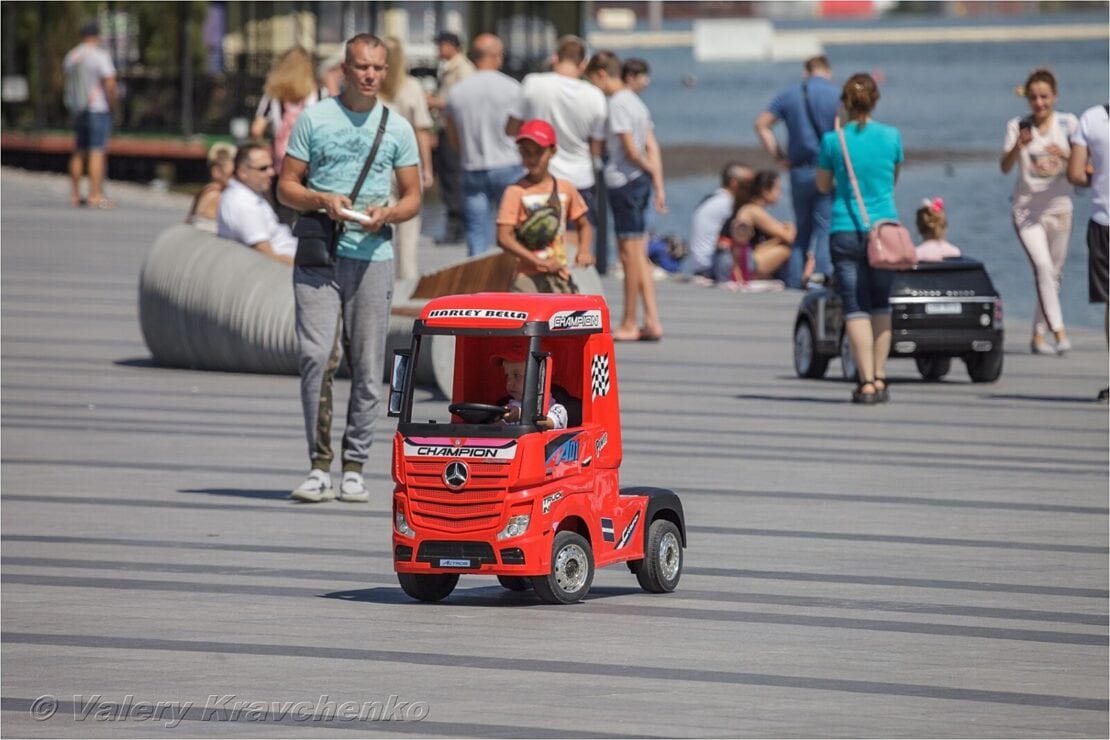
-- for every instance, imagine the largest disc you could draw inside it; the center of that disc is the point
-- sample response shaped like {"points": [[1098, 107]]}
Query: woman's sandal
{"points": [[868, 399], [881, 389]]}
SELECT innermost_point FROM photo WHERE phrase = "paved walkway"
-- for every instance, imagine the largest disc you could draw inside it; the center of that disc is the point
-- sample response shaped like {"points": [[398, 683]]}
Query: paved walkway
{"points": [[934, 567]]}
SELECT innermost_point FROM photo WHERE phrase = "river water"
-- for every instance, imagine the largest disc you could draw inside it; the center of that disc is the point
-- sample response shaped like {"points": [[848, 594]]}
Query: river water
{"points": [[943, 97]]}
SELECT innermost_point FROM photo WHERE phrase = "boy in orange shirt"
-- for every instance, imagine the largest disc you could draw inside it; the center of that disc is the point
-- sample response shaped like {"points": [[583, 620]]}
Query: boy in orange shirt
{"points": [[531, 222]]}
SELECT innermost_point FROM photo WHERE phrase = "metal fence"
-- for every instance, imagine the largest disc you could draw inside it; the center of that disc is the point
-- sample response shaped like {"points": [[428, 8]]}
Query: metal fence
{"points": [[192, 67]]}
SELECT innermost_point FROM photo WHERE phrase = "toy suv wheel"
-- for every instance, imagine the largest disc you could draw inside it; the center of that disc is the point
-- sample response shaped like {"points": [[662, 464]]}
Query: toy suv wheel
{"points": [[847, 359], [572, 570], [662, 565], [984, 367], [515, 583], [807, 363], [428, 586], [933, 367]]}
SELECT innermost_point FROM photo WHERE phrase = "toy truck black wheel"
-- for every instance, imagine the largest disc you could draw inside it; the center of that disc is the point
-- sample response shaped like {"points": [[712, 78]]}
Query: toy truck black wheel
{"points": [[572, 570], [515, 583], [807, 363], [428, 586], [933, 367], [984, 367], [662, 564]]}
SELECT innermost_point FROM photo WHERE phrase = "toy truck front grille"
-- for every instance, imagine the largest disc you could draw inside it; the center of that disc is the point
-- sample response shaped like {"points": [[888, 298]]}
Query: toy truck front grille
{"points": [[475, 507]]}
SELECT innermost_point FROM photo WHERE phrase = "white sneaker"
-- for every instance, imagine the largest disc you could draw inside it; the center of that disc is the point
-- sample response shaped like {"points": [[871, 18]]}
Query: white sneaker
{"points": [[353, 490], [316, 488], [1064, 345], [1041, 348]]}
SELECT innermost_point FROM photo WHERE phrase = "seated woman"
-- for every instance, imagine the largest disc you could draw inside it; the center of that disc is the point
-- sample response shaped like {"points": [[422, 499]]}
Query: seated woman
{"points": [[221, 165], [762, 242]]}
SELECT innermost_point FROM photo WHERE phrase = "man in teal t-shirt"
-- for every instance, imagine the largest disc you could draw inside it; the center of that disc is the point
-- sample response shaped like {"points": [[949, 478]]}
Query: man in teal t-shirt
{"points": [[349, 300]]}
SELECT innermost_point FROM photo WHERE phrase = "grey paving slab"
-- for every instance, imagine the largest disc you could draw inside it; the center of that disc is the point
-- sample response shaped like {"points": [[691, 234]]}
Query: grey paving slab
{"points": [[936, 567]]}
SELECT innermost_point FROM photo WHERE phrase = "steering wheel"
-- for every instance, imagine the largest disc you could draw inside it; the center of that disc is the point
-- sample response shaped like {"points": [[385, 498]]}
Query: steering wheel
{"points": [[477, 413]]}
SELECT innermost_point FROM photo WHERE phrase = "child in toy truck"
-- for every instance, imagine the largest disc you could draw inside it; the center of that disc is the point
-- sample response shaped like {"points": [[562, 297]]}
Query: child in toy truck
{"points": [[513, 365]]}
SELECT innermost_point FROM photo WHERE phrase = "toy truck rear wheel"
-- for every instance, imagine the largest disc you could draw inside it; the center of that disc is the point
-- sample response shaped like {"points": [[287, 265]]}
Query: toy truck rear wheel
{"points": [[515, 583], [428, 586], [662, 564], [572, 570]]}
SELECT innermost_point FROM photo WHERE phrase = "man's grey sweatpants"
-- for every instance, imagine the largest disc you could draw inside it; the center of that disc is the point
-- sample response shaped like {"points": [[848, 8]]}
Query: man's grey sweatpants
{"points": [[347, 303]]}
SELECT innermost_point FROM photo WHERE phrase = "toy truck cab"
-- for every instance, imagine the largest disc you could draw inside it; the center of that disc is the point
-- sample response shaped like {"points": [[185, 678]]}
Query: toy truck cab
{"points": [[534, 506]]}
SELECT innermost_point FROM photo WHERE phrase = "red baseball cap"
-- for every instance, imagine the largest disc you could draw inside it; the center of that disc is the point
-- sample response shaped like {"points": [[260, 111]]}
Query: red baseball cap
{"points": [[538, 131], [511, 355]]}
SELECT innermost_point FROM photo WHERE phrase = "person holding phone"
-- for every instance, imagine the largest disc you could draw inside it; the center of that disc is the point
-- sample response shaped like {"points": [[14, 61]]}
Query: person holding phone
{"points": [[1042, 209], [346, 304]]}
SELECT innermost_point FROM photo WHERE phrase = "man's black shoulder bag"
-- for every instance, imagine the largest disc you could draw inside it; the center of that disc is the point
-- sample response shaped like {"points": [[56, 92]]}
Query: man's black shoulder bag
{"points": [[317, 233]]}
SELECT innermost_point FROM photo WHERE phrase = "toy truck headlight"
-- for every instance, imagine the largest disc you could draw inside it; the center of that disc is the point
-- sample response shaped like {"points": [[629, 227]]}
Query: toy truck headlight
{"points": [[517, 526], [401, 524]]}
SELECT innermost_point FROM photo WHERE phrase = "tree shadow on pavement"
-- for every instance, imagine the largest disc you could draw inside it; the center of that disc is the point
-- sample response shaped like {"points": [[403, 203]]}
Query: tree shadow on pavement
{"points": [[140, 362], [1088, 399], [270, 494], [482, 596], [794, 399]]}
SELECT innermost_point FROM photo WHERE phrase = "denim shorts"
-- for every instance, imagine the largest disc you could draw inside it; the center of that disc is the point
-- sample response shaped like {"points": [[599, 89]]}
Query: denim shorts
{"points": [[92, 129], [630, 204], [862, 289], [591, 208]]}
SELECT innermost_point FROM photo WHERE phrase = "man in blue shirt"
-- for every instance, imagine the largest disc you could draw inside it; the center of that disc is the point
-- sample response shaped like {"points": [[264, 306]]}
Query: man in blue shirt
{"points": [[350, 299], [809, 110]]}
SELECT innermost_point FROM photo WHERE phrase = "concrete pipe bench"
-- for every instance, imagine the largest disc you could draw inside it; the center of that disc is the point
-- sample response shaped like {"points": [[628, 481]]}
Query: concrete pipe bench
{"points": [[207, 303]]}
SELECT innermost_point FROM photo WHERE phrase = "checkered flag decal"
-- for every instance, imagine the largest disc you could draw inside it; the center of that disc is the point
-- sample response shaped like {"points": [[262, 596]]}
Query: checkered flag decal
{"points": [[599, 376]]}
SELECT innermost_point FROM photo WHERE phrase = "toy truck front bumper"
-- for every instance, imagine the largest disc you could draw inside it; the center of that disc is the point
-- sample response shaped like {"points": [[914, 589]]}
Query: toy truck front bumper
{"points": [[526, 555]]}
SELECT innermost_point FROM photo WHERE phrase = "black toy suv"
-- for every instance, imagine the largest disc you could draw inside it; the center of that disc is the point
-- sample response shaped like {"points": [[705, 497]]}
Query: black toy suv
{"points": [[940, 310]]}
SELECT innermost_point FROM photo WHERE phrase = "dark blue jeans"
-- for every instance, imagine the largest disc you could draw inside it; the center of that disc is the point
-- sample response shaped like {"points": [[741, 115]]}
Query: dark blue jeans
{"points": [[811, 214], [482, 190]]}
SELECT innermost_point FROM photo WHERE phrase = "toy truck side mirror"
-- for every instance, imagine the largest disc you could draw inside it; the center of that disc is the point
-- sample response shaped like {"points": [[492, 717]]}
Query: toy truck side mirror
{"points": [[399, 380]]}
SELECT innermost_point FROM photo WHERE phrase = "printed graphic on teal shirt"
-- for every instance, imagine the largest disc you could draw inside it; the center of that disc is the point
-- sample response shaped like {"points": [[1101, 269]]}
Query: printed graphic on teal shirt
{"points": [[335, 142]]}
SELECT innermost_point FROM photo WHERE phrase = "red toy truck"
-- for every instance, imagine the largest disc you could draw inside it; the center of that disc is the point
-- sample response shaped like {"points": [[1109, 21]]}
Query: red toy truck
{"points": [[535, 507]]}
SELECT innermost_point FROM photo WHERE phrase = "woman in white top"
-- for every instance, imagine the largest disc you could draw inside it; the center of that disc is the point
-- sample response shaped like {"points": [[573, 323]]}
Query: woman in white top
{"points": [[404, 94], [1042, 207]]}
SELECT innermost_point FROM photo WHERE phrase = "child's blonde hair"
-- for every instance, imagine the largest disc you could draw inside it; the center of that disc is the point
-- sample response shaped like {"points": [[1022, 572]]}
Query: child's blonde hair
{"points": [[220, 153], [931, 221]]}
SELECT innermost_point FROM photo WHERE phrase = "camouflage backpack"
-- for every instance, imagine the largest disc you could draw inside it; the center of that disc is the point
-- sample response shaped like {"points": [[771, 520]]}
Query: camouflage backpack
{"points": [[542, 225]]}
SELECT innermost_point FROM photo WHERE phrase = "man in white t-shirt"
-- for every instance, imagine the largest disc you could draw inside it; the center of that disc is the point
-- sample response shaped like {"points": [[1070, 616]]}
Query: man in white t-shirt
{"points": [[475, 115], [577, 111], [90, 91], [245, 215], [1089, 167]]}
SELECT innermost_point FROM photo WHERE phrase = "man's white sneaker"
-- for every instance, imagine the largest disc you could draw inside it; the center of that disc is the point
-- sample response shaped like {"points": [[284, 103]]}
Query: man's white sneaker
{"points": [[353, 490], [316, 488]]}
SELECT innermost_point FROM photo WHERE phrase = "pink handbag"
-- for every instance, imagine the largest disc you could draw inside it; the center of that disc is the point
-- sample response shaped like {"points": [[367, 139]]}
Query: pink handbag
{"points": [[889, 244]]}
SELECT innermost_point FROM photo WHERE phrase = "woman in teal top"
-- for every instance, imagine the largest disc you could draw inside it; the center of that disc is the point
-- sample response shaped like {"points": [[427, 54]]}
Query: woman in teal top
{"points": [[876, 152]]}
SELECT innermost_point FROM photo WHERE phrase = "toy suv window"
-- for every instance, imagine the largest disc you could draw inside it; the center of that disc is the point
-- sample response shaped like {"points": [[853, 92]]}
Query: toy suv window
{"points": [[968, 279]]}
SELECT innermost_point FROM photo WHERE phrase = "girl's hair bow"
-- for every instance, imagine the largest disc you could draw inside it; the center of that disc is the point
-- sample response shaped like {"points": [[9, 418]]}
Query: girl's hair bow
{"points": [[934, 204]]}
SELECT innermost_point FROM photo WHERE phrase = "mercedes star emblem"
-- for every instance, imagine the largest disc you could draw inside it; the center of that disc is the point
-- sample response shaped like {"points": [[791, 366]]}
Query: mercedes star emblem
{"points": [[455, 475]]}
